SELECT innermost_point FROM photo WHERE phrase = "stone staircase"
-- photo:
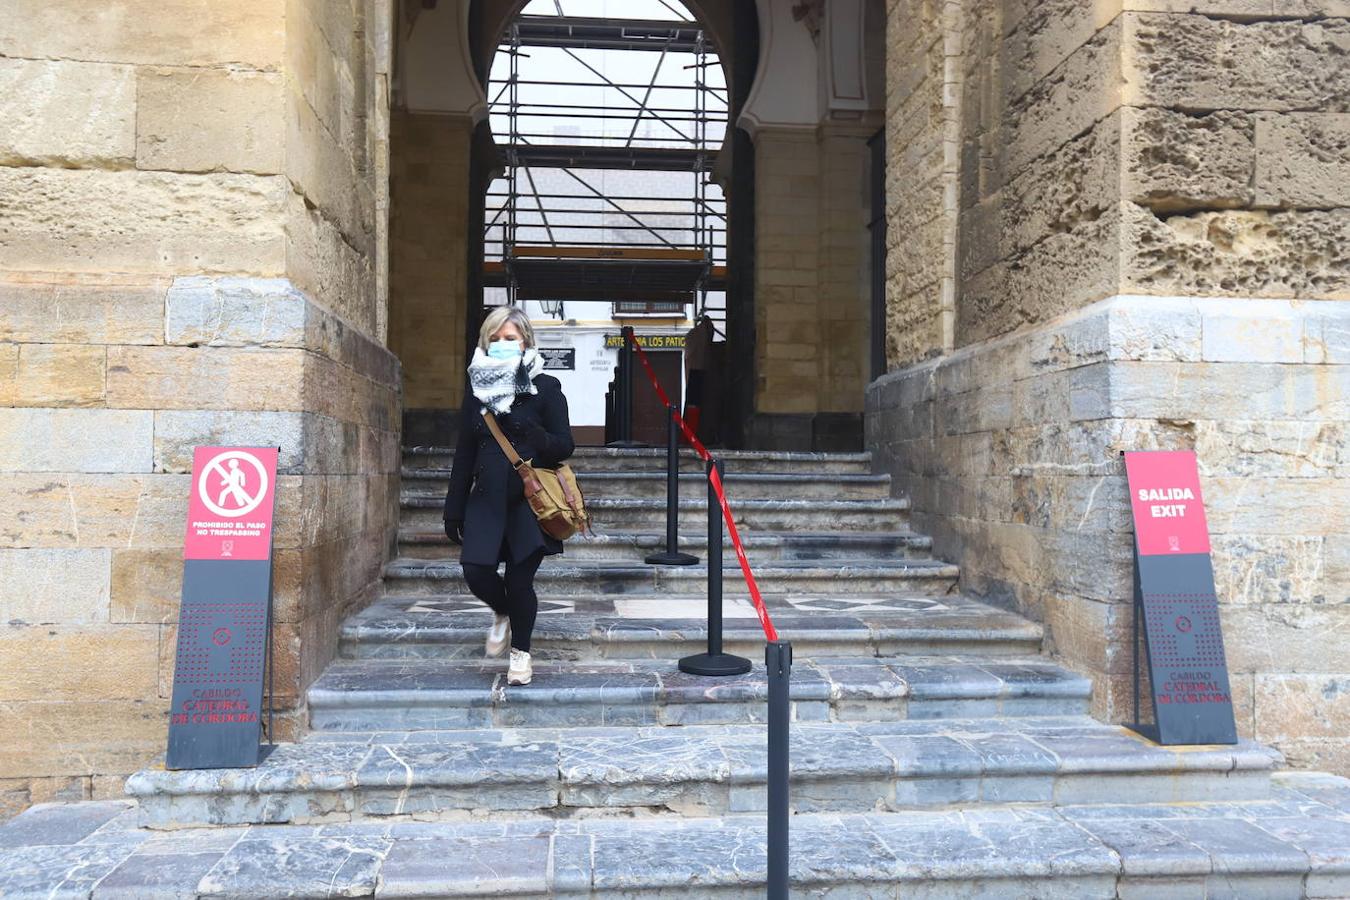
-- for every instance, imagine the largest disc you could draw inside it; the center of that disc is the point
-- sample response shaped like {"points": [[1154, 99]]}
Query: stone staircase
{"points": [[935, 751]]}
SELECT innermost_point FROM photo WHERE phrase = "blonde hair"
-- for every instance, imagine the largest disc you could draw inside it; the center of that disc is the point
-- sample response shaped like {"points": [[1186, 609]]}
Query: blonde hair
{"points": [[499, 317]]}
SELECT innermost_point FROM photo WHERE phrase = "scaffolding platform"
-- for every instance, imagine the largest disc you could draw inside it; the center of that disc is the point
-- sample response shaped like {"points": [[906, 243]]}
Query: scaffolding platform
{"points": [[559, 233], [657, 274], [579, 32], [578, 156]]}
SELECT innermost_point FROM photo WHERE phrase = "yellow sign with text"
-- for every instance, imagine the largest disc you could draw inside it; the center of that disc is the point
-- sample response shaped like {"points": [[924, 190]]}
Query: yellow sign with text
{"points": [[648, 341]]}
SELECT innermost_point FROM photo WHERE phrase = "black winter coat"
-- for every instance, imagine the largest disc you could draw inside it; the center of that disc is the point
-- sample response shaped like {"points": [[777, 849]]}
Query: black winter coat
{"points": [[485, 494]]}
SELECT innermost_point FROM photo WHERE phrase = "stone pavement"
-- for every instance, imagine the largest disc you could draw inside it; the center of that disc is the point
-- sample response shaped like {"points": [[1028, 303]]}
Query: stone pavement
{"points": [[935, 751], [1295, 844], [664, 625], [702, 770]]}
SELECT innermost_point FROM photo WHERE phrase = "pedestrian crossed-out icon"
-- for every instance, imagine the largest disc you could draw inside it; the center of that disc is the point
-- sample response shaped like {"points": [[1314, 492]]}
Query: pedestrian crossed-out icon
{"points": [[232, 484]]}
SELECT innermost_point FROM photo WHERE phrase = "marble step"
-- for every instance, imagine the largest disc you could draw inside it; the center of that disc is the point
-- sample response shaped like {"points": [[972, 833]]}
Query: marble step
{"points": [[639, 514], [669, 626], [634, 546], [371, 695], [652, 485], [1296, 844], [701, 771], [653, 459], [564, 577]]}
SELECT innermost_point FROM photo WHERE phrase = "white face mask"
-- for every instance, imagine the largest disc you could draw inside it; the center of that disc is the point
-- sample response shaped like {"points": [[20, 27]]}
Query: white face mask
{"points": [[504, 349]]}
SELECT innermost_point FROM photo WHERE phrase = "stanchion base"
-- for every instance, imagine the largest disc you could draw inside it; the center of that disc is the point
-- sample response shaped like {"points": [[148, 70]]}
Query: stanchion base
{"points": [[716, 665], [671, 559], [627, 445]]}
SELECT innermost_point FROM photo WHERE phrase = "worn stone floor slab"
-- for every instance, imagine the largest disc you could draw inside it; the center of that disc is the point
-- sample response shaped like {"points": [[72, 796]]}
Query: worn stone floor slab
{"points": [[742, 486], [697, 770], [413, 693], [654, 459], [599, 626], [1208, 850], [923, 577], [636, 545], [752, 515]]}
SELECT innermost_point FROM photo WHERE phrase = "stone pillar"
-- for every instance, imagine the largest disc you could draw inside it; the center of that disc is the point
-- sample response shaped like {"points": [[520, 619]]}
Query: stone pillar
{"points": [[439, 103], [190, 256], [428, 259], [811, 258], [921, 97], [815, 102], [1150, 254], [843, 363], [787, 224]]}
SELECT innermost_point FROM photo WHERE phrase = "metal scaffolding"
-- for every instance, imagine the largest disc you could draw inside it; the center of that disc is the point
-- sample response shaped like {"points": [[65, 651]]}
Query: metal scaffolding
{"points": [[622, 211]]}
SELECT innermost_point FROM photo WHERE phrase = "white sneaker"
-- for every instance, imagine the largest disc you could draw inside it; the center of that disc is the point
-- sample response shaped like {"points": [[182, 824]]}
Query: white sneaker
{"points": [[499, 636], [521, 671]]}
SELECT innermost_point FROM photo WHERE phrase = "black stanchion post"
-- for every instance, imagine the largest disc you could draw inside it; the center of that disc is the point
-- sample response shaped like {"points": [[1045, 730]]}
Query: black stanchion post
{"points": [[778, 661], [626, 435], [612, 410], [672, 555], [714, 662], [626, 391], [623, 396]]}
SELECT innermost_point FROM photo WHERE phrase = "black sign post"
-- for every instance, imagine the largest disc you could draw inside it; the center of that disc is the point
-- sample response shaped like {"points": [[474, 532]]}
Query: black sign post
{"points": [[224, 623], [1176, 610]]}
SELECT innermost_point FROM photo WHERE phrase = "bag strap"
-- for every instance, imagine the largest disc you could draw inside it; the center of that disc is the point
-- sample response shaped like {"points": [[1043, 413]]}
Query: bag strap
{"points": [[511, 455]]}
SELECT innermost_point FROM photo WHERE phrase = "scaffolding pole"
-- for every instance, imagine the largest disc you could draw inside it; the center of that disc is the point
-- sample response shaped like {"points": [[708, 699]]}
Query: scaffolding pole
{"points": [[646, 225]]}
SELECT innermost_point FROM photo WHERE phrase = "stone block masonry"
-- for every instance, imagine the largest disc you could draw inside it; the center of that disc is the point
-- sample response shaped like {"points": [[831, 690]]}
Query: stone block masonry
{"points": [[811, 264], [922, 83], [1025, 486], [1150, 252], [190, 254], [96, 484], [428, 303]]}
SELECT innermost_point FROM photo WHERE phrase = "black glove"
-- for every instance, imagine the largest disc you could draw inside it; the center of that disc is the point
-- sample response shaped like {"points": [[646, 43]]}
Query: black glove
{"points": [[537, 436], [526, 431], [455, 532]]}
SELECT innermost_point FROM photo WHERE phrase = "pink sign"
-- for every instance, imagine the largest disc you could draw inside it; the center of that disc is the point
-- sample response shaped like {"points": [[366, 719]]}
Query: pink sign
{"points": [[230, 507], [1169, 513]]}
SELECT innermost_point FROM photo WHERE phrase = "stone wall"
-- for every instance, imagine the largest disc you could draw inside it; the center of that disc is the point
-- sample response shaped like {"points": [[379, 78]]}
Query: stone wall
{"points": [[1150, 253], [811, 285], [1010, 452], [428, 256], [189, 255], [922, 78], [844, 295]]}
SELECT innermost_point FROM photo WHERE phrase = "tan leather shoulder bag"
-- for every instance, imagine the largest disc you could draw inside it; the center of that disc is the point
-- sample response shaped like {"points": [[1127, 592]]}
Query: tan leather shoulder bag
{"points": [[553, 494]]}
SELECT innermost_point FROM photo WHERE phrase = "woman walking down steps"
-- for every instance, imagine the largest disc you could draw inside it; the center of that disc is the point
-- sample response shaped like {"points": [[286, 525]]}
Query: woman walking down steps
{"points": [[486, 512]]}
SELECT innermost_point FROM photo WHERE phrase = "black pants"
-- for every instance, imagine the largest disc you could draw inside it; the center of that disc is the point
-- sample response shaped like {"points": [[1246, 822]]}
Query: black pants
{"points": [[510, 596]]}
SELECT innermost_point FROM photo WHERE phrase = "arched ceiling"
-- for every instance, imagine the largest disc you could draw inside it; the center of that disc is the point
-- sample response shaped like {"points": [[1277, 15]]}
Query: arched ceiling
{"points": [[825, 65], [493, 16]]}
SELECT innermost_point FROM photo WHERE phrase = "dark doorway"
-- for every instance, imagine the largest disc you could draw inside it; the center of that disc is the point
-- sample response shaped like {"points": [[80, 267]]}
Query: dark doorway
{"points": [[649, 416]]}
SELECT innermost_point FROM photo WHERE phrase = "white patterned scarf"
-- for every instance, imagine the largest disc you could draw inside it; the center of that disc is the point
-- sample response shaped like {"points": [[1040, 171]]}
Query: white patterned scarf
{"points": [[496, 382]]}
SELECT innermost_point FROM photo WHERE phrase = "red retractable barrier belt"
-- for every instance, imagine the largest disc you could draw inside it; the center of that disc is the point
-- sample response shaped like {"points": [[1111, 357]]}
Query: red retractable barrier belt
{"points": [[770, 632], [761, 610]]}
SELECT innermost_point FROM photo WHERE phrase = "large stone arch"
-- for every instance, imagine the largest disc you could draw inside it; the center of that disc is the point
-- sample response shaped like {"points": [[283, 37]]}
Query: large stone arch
{"points": [[496, 15], [442, 159], [807, 91]]}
